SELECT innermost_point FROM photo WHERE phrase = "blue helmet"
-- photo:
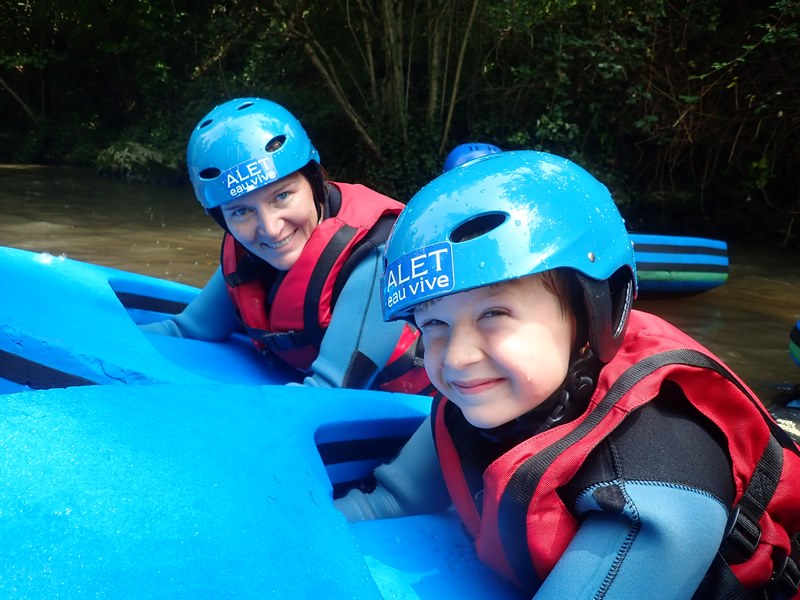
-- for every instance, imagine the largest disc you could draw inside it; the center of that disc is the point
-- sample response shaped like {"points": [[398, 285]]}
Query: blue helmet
{"points": [[467, 152], [506, 216], [242, 145]]}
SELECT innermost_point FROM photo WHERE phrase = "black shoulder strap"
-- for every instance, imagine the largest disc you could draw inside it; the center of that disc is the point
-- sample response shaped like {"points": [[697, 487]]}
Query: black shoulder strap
{"points": [[316, 283], [377, 236], [522, 486]]}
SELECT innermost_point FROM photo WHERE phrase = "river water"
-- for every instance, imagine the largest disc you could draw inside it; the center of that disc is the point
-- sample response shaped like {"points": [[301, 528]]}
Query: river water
{"points": [[163, 232]]}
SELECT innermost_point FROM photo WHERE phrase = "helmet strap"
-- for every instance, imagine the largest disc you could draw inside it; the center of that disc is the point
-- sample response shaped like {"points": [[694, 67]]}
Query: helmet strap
{"points": [[608, 304], [564, 405], [573, 397]]}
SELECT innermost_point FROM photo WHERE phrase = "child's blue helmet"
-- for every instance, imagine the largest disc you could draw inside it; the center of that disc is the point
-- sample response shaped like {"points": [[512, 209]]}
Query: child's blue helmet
{"points": [[242, 145], [505, 216], [464, 153]]}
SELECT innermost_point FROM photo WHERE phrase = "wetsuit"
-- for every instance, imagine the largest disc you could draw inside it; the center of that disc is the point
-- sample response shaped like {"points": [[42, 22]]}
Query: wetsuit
{"points": [[643, 515]]}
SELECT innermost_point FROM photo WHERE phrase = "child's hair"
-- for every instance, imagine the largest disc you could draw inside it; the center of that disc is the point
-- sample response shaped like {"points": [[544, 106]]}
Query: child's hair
{"points": [[563, 285]]}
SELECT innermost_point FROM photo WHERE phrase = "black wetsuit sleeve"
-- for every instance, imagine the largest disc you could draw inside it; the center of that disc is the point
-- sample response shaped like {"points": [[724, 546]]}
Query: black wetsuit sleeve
{"points": [[668, 441]]}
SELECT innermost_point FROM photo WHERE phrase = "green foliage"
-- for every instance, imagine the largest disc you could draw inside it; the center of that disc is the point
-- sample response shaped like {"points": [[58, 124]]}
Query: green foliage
{"points": [[759, 174], [406, 167], [688, 110]]}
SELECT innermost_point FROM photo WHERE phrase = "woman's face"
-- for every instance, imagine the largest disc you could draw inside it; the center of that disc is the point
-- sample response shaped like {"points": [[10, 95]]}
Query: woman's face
{"points": [[274, 222]]}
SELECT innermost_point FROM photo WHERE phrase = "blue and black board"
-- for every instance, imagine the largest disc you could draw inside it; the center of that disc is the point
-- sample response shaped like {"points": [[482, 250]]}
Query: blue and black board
{"points": [[669, 266]]}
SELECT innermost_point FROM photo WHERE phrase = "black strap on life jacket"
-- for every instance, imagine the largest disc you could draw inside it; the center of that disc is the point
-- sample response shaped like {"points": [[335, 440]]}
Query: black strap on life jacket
{"points": [[333, 249], [412, 358], [744, 533], [376, 236]]}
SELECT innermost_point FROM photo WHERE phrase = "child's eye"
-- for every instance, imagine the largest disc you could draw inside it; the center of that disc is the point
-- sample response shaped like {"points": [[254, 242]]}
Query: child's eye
{"points": [[282, 196], [237, 213], [429, 324], [494, 312]]}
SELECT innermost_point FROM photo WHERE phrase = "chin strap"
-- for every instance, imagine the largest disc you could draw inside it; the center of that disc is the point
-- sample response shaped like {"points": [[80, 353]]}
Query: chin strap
{"points": [[573, 397]]}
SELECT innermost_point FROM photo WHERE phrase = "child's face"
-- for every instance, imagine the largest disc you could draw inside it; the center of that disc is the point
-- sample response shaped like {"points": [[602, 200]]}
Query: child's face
{"points": [[497, 351], [274, 222]]}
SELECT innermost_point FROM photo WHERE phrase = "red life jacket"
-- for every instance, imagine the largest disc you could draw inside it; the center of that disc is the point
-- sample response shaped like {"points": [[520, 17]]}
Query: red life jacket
{"points": [[287, 313], [520, 488]]}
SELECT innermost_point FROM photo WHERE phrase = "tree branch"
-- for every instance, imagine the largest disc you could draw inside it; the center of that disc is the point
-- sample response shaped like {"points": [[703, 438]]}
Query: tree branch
{"points": [[457, 77], [338, 94], [19, 101]]}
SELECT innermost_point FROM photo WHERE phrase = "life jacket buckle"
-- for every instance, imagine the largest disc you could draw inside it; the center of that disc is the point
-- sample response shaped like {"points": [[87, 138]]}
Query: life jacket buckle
{"points": [[284, 341], [742, 536], [786, 577]]}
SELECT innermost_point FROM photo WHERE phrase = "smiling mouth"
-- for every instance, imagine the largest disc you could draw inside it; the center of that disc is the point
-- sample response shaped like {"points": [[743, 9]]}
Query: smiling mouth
{"points": [[282, 243], [469, 388]]}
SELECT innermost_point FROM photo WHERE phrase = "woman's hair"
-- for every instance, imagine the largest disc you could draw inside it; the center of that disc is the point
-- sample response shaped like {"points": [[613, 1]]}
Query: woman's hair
{"points": [[316, 176]]}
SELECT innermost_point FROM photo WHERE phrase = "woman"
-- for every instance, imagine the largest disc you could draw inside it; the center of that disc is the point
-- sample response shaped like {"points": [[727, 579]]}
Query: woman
{"points": [[301, 256]]}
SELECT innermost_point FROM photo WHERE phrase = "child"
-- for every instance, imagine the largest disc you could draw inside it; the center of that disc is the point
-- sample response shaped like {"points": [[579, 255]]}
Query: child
{"points": [[301, 256], [591, 450]]}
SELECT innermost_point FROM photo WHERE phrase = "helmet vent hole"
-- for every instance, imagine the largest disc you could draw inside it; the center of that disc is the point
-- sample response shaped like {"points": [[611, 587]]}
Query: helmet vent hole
{"points": [[206, 123], [478, 226], [210, 173], [244, 105], [275, 143]]}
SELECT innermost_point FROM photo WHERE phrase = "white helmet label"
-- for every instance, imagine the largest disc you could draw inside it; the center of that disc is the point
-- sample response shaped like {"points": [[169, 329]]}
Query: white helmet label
{"points": [[417, 277], [249, 175]]}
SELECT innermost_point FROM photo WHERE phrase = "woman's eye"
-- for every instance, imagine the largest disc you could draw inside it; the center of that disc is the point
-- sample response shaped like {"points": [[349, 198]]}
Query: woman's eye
{"points": [[238, 213], [282, 196]]}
